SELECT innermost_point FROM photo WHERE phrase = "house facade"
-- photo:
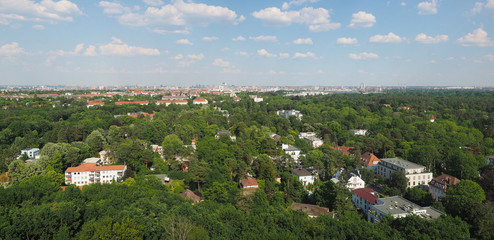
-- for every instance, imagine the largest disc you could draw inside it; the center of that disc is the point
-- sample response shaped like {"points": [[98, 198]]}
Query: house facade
{"points": [[293, 151], [304, 176], [288, 113], [370, 161], [416, 174], [439, 185], [364, 198], [89, 173], [30, 152]]}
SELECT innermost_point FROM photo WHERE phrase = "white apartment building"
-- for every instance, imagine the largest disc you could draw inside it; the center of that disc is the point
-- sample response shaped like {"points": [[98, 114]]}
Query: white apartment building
{"points": [[311, 138], [363, 198], [398, 207], [288, 113], [89, 173], [293, 151], [416, 174], [30, 152], [439, 185]]}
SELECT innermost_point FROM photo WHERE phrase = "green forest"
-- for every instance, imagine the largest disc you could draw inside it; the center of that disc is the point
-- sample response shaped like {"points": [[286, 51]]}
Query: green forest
{"points": [[33, 204]]}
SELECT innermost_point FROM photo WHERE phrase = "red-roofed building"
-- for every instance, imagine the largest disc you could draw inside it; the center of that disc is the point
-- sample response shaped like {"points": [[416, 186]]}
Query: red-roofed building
{"points": [[132, 102], [145, 114], [200, 101], [369, 160], [439, 185], [236, 99], [92, 104], [249, 183], [88, 173], [344, 149], [166, 102], [180, 102], [363, 198], [432, 119]]}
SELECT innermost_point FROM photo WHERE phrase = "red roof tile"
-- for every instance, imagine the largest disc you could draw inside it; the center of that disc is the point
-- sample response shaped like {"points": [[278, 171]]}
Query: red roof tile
{"points": [[369, 159], [89, 167], [249, 182], [367, 194]]}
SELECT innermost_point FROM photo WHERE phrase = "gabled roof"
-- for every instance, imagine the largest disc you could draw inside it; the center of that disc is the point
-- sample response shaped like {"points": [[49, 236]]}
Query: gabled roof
{"points": [[343, 149], [369, 159], [90, 167], [445, 180], [249, 182], [366, 193], [187, 194], [301, 172], [311, 210]]}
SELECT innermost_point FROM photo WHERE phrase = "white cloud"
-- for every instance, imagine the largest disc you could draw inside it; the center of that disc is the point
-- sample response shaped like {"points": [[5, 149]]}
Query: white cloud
{"points": [[185, 63], [43, 11], [153, 2], [210, 39], [265, 53], [11, 49], [239, 38], [476, 38], [489, 57], [178, 15], [78, 48], [480, 5], [422, 38], [178, 57], [118, 48], [287, 5], [263, 38], [113, 7], [221, 63], [38, 27], [49, 60], [390, 38], [196, 57], [284, 55], [363, 56], [240, 53], [320, 71], [184, 42], [164, 31], [403, 4], [362, 20], [90, 51], [304, 55], [344, 40], [299, 41], [426, 8], [317, 19]]}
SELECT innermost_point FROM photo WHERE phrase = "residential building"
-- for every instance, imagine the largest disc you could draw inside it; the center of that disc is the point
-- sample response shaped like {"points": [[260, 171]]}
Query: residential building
{"points": [[288, 113], [158, 149], [360, 132], [398, 207], [490, 160], [256, 98], [132, 102], [311, 138], [363, 198], [88, 173], [432, 119], [225, 132], [187, 194], [439, 185], [180, 102], [352, 178], [92, 104], [293, 151], [200, 101], [32, 153], [311, 210], [416, 174], [304, 176], [249, 183], [344, 150], [166, 102], [370, 161], [275, 137]]}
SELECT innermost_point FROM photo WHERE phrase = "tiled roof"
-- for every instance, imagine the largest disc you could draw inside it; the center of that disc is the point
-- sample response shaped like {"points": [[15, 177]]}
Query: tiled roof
{"points": [[445, 180], [343, 149], [131, 102], [249, 182], [187, 194], [95, 103], [90, 167], [369, 159], [301, 172], [311, 210], [367, 194]]}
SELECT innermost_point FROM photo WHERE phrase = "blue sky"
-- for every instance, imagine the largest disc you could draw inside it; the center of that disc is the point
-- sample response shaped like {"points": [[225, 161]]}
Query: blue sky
{"points": [[261, 42]]}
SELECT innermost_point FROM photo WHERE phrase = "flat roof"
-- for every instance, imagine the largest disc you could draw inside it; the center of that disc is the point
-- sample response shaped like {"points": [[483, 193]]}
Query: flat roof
{"points": [[402, 163], [399, 205]]}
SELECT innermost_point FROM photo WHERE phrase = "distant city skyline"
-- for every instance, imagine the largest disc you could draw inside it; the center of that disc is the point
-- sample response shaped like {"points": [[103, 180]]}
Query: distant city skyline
{"points": [[257, 42]]}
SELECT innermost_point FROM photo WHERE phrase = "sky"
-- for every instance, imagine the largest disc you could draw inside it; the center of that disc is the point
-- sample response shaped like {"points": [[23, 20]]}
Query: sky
{"points": [[247, 42]]}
